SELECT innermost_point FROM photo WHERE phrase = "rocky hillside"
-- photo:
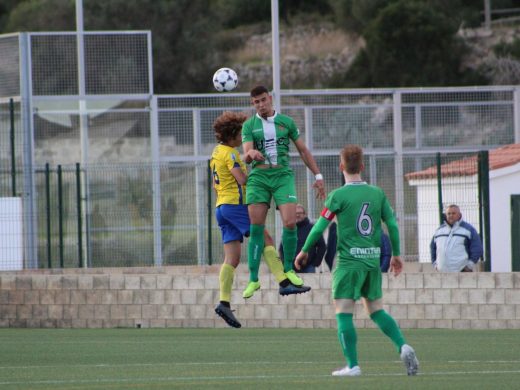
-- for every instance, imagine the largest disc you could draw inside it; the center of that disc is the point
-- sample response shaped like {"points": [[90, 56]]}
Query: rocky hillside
{"points": [[502, 71], [320, 51], [316, 51]]}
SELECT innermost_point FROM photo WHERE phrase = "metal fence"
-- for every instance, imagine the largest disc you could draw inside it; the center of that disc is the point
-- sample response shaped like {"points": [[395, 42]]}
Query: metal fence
{"points": [[141, 193]]}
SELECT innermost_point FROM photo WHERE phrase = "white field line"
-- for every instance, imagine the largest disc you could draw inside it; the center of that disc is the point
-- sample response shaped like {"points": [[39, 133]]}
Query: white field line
{"points": [[102, 365], [209, 364], [239, 378]]}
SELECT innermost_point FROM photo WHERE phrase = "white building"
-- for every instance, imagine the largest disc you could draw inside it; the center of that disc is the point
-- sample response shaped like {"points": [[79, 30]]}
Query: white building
{"points": [[460, 186]]}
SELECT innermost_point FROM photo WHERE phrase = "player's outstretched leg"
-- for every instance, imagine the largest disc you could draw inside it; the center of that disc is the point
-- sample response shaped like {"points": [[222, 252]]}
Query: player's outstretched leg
{"points": [[255, 247], [409, 359], [347, 337], [275, 266], [223, 309], [289, 242], [227, 315]]}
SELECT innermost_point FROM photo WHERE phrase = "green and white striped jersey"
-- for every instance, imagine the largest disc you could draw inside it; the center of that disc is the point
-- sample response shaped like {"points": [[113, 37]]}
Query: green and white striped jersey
{"points": [[271, 137]]}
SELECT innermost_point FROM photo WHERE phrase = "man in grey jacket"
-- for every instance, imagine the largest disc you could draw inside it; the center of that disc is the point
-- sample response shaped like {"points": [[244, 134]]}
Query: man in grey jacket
{"points": [[456, 245]]}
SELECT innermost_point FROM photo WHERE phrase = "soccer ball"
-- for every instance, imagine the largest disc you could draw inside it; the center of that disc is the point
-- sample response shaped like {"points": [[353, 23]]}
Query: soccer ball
{"points": [[225, 80]]}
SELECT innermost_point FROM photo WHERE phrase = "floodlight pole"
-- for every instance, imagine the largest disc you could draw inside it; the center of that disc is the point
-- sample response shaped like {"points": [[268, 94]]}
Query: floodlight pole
{"points": [[487, 14], [275, 37], [276, 54], [83, 123]]}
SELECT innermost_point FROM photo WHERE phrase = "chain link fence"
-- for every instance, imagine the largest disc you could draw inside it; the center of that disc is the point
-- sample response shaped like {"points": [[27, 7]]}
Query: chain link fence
{"points": [[134, 187]]}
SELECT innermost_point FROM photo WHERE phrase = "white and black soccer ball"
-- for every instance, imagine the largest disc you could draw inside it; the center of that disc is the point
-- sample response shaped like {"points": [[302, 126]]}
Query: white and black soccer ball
{"points": [[225, 80]]}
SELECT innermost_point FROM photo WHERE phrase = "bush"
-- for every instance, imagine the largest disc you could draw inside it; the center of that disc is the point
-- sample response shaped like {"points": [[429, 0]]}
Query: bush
{"points": [[423, 51]]}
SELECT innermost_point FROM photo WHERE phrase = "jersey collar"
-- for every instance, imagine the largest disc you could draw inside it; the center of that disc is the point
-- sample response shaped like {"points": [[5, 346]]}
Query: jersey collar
{"points": [[269, 118], [355, 183]]}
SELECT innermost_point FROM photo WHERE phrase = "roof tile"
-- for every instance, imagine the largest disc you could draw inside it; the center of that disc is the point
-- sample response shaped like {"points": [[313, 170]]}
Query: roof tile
{"points": [[498, 158]]}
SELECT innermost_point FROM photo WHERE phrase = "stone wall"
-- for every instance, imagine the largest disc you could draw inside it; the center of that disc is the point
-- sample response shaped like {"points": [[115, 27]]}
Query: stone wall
{"points": [[186, 296]]}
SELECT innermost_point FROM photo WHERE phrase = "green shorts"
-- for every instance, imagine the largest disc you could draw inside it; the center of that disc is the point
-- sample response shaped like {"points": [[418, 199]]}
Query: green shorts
{"points": [[277, 183], [353, 284]]}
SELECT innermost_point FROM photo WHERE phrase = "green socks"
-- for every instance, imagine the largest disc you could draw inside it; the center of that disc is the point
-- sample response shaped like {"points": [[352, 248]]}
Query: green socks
{"points": [[289, 242], [347, 337], [255, 249], [389, 327], [226, 281]]}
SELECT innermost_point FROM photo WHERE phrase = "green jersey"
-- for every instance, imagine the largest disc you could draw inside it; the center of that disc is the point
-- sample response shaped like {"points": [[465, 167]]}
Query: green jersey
{"points": [[271, 137], [359, 209]]}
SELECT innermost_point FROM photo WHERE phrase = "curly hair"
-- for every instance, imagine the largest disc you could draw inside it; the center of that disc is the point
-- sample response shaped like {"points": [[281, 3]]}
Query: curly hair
{"points": [[228, 125]]}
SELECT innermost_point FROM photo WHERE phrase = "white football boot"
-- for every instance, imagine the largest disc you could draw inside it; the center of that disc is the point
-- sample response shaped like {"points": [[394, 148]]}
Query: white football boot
{"points": [[409, 359], [346, 371]]}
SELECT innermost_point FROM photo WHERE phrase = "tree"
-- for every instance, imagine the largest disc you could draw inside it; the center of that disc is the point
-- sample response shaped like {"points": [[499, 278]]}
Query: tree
{"points": [[184, 36], [43, 15], [409, 43]]}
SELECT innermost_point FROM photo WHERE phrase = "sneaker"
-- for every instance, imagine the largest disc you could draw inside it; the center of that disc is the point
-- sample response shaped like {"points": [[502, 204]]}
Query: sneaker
{"points": [[293, 278], [227, 315], [292, 289], [409, 359], [346, 371], [250, 289]]}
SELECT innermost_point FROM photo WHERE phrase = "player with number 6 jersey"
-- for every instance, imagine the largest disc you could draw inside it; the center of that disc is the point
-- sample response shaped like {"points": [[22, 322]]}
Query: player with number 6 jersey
{"points": [[359, 209]]}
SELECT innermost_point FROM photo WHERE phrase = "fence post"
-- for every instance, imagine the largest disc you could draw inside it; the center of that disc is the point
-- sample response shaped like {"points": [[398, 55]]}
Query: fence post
{"points": [[30, 209], [483, 191], [60, 214], [200, 182], [156, 181], [210, 212], [78, 207], [398, 164], [48, 211], [439, 187], [13, 149], [516, 115]]}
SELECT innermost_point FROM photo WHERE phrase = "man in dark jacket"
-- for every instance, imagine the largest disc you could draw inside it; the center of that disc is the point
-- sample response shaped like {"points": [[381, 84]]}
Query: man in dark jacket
{"points": [[316, 253]]}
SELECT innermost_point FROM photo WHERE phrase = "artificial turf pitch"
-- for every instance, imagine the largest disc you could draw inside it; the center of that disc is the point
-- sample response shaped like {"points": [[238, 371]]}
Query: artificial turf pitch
{"points": [[251, 359]]}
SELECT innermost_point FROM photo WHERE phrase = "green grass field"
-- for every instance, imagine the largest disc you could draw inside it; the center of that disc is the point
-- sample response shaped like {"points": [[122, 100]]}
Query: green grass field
{"points": [[251, 359]]}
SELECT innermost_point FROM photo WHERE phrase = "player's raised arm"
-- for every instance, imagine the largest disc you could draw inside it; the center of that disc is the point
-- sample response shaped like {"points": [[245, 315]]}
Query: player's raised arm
{"points": [[309, 161]]}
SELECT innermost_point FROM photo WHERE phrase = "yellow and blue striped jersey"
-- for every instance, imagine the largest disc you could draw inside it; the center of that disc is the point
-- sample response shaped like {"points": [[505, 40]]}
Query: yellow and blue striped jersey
{"points": [[223, 159]]}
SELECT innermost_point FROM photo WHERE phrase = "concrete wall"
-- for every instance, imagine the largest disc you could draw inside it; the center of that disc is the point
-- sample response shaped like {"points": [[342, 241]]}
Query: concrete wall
{"points": [[503, 183], [186, 297]]}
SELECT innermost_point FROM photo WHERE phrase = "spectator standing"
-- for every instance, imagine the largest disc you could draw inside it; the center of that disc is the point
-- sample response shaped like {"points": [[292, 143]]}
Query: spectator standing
{"points": [[316, 252], [456, 245]]}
